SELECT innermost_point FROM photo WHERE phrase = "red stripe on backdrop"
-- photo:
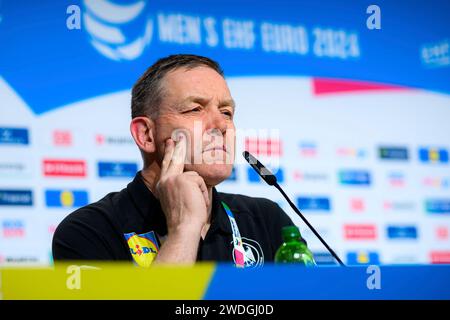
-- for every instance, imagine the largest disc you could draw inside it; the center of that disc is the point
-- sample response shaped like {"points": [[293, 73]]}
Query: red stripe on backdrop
{"points": [[329, 86]]}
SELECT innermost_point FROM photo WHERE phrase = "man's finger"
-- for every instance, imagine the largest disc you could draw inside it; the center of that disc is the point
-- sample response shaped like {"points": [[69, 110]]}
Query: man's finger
{"points": [[168, 153], [176, 166], [191, 173], [201, 184]]}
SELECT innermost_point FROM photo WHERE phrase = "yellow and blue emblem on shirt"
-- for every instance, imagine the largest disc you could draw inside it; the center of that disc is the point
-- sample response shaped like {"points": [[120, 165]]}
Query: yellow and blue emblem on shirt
{"points": [[143, 247]]}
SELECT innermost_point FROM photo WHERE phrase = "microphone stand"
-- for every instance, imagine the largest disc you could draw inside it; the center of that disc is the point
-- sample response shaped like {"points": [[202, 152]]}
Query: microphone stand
{"points": [[271, 180], [276, 185]]}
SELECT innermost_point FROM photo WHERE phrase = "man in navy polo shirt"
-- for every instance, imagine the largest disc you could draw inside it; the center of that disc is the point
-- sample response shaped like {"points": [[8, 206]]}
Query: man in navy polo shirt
{"points": [[182, 122]]}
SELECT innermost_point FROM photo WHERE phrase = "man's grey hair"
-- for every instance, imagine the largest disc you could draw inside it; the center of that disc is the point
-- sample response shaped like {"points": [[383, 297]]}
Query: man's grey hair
{"points": [[147, 92]]}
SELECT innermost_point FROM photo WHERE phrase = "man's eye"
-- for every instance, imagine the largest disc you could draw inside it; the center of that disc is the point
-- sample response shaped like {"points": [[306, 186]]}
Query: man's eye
{"points": [[194, 110], [228, 113]]}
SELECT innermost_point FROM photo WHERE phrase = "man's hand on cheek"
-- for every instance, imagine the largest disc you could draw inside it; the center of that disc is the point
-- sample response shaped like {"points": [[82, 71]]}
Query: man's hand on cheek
{"points": [[183, 195]]}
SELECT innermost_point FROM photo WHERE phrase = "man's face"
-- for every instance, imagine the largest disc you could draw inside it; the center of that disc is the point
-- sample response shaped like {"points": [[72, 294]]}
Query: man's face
{"points": [[198, 103]]}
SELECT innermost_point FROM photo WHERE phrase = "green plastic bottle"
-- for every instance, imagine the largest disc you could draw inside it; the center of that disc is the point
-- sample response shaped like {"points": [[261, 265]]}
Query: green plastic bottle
{"points": [[293, 250]]}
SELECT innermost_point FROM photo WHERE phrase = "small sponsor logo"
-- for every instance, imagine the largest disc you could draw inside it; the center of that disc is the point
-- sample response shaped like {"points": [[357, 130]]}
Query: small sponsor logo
{"points": [[357, 205], [66, 198], [16, 197], [360, 232], [402, 232], [440, 257], [143, 247], [62, 138], [433, 155], [64, 168], [393, 153], [436, 182], [314, 203], [117, 169], [396, 179], [104, 140], [354, 177], [437, 206], [308, 149], [18, 259], [442, 233], [13, 228], [307, 234], [254, 177], [404, 258], [408, 206], [14, 170], [436, 54], [14, 136], [349, 152], [362, 258], [264, 147], [324, 258], [301, 176]]}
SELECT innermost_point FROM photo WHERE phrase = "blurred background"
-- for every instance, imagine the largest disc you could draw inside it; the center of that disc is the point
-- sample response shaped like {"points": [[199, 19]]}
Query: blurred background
{"points": [[347, 101]]}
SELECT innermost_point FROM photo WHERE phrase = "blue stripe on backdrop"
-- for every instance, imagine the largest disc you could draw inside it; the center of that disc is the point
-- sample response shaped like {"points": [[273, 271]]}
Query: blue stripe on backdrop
{"points": [[50, 65]]}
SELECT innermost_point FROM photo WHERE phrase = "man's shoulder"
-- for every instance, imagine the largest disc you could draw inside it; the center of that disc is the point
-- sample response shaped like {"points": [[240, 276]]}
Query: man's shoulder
{"points": [[90, 232], [93, 215]]}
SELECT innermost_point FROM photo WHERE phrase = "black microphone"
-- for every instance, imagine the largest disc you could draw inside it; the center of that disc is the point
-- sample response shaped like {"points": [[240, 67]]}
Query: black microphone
{"points": [[271, 180]]}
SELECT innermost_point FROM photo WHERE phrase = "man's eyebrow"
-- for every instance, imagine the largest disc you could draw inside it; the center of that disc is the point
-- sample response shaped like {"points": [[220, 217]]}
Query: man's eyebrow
{"points": [[228, 102], [183, 103], [199, 99], [204, 101]]}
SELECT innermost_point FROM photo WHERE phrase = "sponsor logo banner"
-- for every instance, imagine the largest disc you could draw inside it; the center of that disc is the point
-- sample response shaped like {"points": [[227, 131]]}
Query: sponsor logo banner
{"points": [[362, 258], [402, 232], [14, 136], [16, 197], [440, 257], [354, 177], [117, 169], [437, 206], [393, 153], [253, 176], [13, 228], [360, 232], [66, 198], [64, 168], [314, 203], [433, 155]]}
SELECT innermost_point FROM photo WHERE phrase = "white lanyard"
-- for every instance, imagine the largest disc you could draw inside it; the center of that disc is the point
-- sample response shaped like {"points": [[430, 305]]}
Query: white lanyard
{"points": [[238, 248]]}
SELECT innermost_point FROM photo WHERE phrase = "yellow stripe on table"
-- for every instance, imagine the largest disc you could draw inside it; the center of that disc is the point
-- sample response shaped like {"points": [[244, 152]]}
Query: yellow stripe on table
{"points": [[105, 281]]}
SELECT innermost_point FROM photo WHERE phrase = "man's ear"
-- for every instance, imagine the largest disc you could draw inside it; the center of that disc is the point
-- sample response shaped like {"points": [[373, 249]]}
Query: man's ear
{"points": [[142, 130]]}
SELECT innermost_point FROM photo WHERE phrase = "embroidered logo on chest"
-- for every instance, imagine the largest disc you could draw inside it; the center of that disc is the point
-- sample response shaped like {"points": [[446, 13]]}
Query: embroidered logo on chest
{"points": [[253, 255], [143, 247]]}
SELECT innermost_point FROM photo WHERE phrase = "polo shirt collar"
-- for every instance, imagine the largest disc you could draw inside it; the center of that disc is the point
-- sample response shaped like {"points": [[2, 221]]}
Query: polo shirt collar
{"points": [[219, 216]]}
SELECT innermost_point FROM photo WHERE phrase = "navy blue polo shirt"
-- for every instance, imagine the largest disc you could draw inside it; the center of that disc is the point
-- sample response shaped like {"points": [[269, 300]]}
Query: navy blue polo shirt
{"points": [[130, 224]]}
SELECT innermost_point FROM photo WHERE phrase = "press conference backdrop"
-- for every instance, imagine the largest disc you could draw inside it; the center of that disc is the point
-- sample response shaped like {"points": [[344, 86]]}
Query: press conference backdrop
{"points": [[347, 102]]}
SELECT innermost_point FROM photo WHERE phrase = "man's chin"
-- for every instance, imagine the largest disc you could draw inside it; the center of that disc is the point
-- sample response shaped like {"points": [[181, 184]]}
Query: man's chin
{"points": [[213, 174]]}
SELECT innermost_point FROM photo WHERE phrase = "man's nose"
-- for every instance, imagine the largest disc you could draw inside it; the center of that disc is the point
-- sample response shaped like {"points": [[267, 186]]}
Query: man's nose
{"points": [[216, 121]]}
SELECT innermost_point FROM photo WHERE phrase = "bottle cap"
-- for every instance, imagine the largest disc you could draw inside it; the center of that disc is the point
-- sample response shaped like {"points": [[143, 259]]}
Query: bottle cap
{"points": [[290, 232]]}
